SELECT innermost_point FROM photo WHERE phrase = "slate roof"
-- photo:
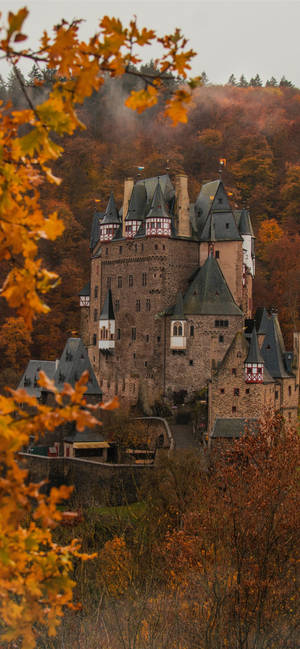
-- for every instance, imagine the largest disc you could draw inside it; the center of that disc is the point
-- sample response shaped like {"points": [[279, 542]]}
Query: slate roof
{"points": [[158, 207], [137, 203], [233, 428], [107, 312], [111, 214], [208, 293], [151, 183], [95, 229], [273, 350], [254, 355], [178, 308], [87, 435], [220, 226], [85, 290], [261, 320], [73, 362], [245, 225], [31, 375]]}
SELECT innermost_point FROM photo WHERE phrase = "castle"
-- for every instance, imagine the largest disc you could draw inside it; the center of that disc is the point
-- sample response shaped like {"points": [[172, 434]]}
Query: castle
{"points": [[168, 307]]}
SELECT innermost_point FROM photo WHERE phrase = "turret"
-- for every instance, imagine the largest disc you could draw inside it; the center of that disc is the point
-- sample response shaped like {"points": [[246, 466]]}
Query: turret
{"points": [[110, 223], [136, 211], [107, 324], [246, 232], [254, 363], [158, 220]]}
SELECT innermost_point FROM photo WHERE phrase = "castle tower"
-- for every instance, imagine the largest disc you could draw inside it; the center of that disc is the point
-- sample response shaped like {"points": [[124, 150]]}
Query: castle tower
{"points": [[182, 206], [136, 211], [84, 301], [128, 187], [254, 363], [110, 223], [158, 220]]}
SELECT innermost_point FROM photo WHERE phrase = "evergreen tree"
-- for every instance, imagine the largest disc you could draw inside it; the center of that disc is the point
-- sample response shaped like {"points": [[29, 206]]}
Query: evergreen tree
{"points": [[35, 74], [232, 80], [255, 82], [271, 82], [243, 83], [3, 91], [284, 83]]}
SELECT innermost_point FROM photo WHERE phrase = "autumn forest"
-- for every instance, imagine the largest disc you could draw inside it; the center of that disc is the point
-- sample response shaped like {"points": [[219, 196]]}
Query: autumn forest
{"points": [[257, 130]]}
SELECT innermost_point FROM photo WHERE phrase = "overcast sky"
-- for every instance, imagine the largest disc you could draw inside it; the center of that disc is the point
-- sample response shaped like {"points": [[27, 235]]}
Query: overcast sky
{"points": [[240, 36]]}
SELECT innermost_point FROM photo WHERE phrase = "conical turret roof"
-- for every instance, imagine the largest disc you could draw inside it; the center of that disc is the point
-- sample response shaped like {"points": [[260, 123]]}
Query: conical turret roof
{"points": [[254, 355], [137, 204], [273, 349], [107, 312], [245, 225], [158, 207], [111, 214], [209, 293]]}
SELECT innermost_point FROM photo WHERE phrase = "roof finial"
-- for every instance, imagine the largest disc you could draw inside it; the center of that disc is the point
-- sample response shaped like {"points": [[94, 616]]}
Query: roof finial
{"points": [[222, 165]]}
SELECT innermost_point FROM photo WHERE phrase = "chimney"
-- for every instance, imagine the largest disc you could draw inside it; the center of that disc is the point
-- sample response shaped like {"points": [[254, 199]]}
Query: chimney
{"points": [[128, 187], [182, 206]]}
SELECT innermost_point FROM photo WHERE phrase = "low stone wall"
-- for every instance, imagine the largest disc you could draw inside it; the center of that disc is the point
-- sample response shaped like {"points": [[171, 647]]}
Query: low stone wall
{"points": [[93, 482]]}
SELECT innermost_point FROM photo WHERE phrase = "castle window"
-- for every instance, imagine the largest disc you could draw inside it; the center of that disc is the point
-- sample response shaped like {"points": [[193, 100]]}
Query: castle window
{"points": [[138, 305], [236, 392], [192, 330], [146, 363], [119, 282], [156, 246], [147, 338], [118, 334], [233, 371], [290, 416], [95, 315], [217, 323], [247, 391], [191, 362], [164, 247], [133, 333], [106, 251], [222, 390], [94, 339], [225, 323], [117, 305], [174, 330], [134, 355], [120, 250], [227, 226], [158, 224], [96, 291], [158, 339], [108, 282], [217, 254], [144, 279], [130, 280], [276, 394], [221, 339], [142, 247], [233, 408], [290, 390], [148, 304]]}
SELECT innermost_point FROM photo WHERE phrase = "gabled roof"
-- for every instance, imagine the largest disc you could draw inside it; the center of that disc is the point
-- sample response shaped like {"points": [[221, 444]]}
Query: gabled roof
{"points": [[151, 183], [73, 362], [85, 290], [107, 312], [158, 207], [211, 197], [208, 293], [233, 428], [220, 226], [95, 229], [245, 225], [31, 375], [254, 355], [111, 214], [137, 203], [273, 349]]}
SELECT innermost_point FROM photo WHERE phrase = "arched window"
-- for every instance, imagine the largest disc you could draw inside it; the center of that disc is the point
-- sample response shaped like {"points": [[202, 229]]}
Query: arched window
{"points": [[180, 330], [174, 330]]}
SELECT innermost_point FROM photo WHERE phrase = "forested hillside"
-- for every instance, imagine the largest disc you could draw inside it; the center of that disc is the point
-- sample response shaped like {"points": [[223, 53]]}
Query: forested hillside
{"points": [[256, 129]]}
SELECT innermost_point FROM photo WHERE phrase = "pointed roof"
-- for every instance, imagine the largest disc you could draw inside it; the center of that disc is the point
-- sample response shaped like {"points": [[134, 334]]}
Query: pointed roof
{"points": [[111, 214], [220, 225], [137, 203], [273, 349], [150, 186], [178, 311], [245, 225], [107, 312], [158, 207], [209, 293], [95, 229], [261, 320], [85, 291], [73, 362], [254, 355], [31, 375]]}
